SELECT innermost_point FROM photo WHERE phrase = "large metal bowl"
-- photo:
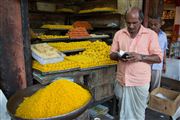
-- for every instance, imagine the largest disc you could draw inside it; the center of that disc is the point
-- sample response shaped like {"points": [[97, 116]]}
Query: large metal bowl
{"points": [[18, 97]]}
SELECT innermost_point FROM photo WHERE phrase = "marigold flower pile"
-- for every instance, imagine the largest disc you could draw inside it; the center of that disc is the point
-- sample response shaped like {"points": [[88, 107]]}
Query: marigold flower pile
{"points": [[58, 98], [95, 54]]}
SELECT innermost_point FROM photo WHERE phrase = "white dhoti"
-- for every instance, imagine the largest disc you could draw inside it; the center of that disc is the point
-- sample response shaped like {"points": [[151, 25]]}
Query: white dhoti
{"points": [[132, 101]]}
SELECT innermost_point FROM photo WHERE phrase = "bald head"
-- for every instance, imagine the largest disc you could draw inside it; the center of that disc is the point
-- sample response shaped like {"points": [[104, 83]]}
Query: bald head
{"points": [[133, 18], [134, 12]]}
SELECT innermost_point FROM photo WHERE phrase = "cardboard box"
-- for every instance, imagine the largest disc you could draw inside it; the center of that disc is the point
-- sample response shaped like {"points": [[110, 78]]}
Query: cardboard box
{"points": [[164, 101]]}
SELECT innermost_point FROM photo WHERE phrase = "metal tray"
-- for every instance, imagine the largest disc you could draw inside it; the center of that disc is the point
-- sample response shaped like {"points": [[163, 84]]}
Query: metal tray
{"points": [[73, 39], [56, 72], [55, 39], [97, 67], [18, 97], [75, 50], [46, 79]]}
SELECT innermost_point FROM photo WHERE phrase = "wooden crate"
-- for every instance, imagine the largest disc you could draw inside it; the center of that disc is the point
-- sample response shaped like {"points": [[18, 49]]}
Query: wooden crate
{"points": [[103, 91], [101, 76], [167, 105]]}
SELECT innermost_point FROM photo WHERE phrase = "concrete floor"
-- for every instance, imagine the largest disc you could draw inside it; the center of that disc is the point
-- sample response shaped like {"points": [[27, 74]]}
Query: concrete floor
{"points": [[150, 115], [153, 115]]}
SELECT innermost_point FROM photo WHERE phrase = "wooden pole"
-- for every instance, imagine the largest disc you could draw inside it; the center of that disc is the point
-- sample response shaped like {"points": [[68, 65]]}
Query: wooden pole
{"points": [[146, 11], [156, 8], [12, 61], [26, 41]]}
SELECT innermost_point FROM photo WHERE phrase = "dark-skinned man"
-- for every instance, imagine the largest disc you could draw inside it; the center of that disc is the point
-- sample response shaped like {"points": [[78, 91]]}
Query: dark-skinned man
{"points": [[134, 71], [155, 25]]}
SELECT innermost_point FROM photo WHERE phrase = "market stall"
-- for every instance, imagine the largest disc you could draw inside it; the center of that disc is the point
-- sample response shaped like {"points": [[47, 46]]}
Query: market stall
{"points": [[71, 40]]}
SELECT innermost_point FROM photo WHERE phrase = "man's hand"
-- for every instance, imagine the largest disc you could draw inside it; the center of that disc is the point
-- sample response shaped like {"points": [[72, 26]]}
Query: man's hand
{"points": [[164, 68], [134, 57]]}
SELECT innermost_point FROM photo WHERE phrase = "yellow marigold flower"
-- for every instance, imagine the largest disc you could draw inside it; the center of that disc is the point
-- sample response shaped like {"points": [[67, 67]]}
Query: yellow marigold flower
{"points": [[58, 98]]}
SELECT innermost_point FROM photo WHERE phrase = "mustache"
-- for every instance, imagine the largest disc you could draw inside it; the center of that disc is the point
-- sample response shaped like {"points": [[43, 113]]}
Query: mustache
{"points": [[131, 28]]}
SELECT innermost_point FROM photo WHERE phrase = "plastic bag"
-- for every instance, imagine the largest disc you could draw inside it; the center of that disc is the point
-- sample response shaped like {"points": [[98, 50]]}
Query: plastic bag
{"points": [[3, 111]]}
